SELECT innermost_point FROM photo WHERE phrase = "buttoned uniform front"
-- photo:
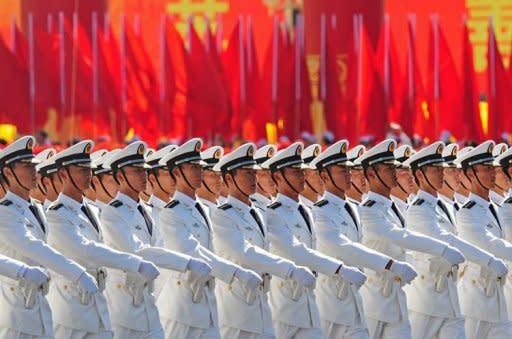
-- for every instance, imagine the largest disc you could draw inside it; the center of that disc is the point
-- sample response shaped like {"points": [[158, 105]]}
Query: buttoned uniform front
{"points": [[238, 237], [477, 224], [339, 234], [293, 236], [23, 237], [426, 216], [184, 229], [74, 235]]}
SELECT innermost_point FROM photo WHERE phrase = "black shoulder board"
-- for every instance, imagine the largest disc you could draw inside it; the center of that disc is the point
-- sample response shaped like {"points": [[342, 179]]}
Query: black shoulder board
{"points": [[321, 203], [225, 206], [6, 202], [508, 201], [56, 207], [252, 199], [469, 204], [274, 205], [116, 203], [418, 202], [369, 203], [172, 203]]}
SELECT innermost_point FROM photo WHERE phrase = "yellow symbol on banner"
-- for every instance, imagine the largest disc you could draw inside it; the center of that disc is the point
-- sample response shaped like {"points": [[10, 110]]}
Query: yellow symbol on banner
{"points": [[479, 12], [182, 9]]}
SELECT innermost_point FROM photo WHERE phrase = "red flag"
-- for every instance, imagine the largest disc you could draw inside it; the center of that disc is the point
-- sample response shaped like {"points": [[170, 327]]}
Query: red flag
{"points": [[414, 108], [372, 98], [389, 69], [141, 108], [15, 103], [444, 87], [207, 99], [176, 82], [277, 75], [500, 101], [472, 126]]}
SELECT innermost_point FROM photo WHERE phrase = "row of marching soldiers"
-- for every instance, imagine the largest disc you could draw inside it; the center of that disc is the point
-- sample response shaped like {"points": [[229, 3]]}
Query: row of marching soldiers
{"points": [[258, 243]]}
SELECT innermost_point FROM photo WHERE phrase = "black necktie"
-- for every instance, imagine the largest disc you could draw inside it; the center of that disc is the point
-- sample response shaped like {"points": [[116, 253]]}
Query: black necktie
{"points": [[91, 218], [148, 221], [445, 210], [493, 211], [456, 205], [36, 214], [305, 215], [351, 213], [398, 214], [201, 211], [258, 220]]}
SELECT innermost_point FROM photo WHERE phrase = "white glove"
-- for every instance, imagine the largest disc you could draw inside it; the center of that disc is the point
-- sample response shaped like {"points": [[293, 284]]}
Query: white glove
{"points": [[249, 279], [452, 255], [87, 283], [35, 275], [148, 270], [352, 275], [498, 266], [404, 271], [199, 269], [303, 276]]}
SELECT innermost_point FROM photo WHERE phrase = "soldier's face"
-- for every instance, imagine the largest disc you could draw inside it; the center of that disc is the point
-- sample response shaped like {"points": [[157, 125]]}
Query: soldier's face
{"points": [[265, 181], [137, 177], [435, 176], [246, 180], [359, 180], [387, 173], [315, 180], [110, 184], [213, 180], [26, 173], [296, 177], [81, 176], [164, 178], [194, 174], [502, 180], [452, 177], [486, 174], [405, 179], [340, 176]]}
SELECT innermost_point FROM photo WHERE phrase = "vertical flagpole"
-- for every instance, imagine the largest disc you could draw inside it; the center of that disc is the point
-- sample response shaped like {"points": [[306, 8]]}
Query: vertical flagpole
{"points": [[123, 75], [62, 68], [189, 44], [163, 71], [73, 71], [250, 47], [275, 65], [387, 58], [298, 80], [358, 21], [323, 58], [95, 73], [435, 25], [410, 67], [218, 34], [49, 22], [491, 123], [31, 72], [241, 57], [13, 35]]}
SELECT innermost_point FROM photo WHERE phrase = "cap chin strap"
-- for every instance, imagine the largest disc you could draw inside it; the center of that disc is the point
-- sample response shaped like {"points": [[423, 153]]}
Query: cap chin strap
{"points": [[478, 179], [207, 188], [158, 181], [261, 187], [41, 188], [287, 182], [380, 179], [53, 185], [127, 181], [73, 181], [238, 187], [332, 180], [427, 179], [449, 186], [17, 180], [501, 188], [104, 188], [311, 187], [186, 179]]}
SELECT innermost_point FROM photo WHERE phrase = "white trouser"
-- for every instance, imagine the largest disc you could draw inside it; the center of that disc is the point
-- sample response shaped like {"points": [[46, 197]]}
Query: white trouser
{"points": [[425, 327], [479, 329], [174, 329], [62, 332], [127, 333], [338, 331], [285, 331], [382, 330]]}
